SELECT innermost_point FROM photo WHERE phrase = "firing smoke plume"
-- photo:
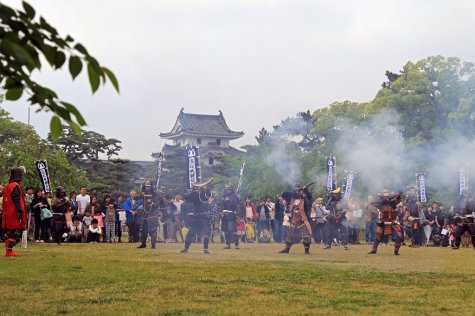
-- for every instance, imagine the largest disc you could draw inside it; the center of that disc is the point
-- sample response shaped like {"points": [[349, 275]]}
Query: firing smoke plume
{"points": [[382, 159], [375, 151], [380, 156], [284, 157]]}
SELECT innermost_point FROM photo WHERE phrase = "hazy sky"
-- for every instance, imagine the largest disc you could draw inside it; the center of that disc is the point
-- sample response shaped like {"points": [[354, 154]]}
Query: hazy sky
{"points": [[257, 61]]}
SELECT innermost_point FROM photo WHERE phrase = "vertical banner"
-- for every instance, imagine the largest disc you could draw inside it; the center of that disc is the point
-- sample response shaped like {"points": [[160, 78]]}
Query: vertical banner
{"points": [[331, 173], [42, 167], [463, 180], [159, 157], [349, 178], [193, 165], [241, 172], [421, 187], [198, 164]]}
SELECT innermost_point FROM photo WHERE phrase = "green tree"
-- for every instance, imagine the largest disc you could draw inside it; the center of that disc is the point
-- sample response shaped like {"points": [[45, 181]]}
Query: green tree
{"points": [[10, 131], [24, 39], [24, 146], [112, 176], [434, 97], [262, 137], [87, 145], [331, 121], [173, 179]]}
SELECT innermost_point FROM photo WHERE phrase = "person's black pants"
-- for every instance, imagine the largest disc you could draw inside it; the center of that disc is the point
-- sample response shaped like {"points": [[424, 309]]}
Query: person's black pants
{"points": [[134, 231], [45, 228], [118, 228], [37, 228]]}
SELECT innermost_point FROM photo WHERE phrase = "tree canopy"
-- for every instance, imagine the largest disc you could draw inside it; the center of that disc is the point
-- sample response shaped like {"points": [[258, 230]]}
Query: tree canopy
{"points": [[20, 145], [434, 98], [86, 145]]}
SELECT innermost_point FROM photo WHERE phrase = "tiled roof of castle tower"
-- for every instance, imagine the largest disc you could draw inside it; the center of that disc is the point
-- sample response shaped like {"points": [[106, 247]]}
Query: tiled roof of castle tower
{"points": [[201, 125]]}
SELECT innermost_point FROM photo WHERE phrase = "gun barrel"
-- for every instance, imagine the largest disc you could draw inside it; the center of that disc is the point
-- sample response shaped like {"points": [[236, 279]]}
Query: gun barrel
{"points": [[311, 183]]}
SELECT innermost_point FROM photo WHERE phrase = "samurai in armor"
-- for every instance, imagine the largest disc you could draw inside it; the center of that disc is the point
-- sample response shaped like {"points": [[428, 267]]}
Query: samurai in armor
{"points": [[387, 223], [197, 209], [229, 207], [337, 223], [299, 223], [465, 222], [148, 216], [59, 206], [14, 216], [228, 224]]}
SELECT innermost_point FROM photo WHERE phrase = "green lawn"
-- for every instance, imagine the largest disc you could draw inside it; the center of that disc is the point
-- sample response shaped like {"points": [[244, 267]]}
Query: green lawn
{"points": [[111, 279]]}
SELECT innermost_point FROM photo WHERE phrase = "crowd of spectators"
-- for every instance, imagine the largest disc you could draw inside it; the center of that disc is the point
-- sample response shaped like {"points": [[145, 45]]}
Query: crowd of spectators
{"points": [[264, 221]]}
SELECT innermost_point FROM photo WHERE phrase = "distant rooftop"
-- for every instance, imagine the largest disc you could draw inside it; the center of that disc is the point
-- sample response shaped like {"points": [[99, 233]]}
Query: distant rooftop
{"points": [[215, 148], [201, 125]]}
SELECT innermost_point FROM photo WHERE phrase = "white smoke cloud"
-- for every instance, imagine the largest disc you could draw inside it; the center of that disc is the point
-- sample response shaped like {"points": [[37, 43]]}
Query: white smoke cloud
{"points": [[284, 156], [446, 159], [376, 151], [285, 163], [380, 156]]}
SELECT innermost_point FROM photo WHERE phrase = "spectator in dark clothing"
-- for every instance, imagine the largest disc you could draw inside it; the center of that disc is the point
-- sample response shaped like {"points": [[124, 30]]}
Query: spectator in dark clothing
{"points": [[46, 217], [263, 218], [37, 204], [278, 219], [73, 203]]}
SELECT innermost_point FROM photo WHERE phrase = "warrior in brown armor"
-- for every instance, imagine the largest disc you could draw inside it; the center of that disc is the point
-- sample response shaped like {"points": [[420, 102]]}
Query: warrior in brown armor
{"points": [[387, 223], [299, 223]]}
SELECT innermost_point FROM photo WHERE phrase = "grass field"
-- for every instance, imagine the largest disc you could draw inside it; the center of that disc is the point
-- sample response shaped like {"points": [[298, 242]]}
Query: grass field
{"points": [[116, 279]]}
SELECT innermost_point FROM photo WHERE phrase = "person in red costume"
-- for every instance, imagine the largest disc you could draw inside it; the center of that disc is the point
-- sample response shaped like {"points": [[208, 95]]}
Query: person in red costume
{"points": [[14, 217]]}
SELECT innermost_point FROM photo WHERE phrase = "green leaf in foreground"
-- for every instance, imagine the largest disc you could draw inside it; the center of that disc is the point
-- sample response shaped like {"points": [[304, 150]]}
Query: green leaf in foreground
{"points": [[55, 127], [71, 108], [75, 66], [30, 12], [14, 94], [94, 78], [112, 78], [76, 128]]}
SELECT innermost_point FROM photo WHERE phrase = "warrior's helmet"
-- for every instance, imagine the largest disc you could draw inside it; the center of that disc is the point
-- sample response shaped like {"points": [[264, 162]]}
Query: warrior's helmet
{"points": [[60, 192], [147, 187], [17, 173], [228, 188], [203, 188], [335, 195]]}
